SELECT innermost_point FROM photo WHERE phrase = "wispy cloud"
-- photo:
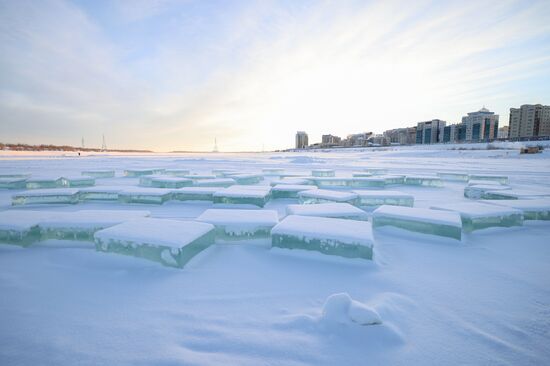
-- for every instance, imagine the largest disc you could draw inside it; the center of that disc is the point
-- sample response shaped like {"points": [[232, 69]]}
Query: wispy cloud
{"points": [[170, 75]]}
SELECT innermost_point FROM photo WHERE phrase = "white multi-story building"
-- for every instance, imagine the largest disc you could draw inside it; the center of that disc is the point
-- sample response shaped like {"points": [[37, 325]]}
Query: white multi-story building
{"points": [[430, 132], [481, 125], [530, 120], [301, 140]]}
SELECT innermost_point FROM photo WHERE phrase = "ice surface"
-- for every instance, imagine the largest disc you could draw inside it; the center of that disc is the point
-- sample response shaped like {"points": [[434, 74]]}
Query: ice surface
{"points": [[238, 194], [515, 194], [99, 173], [381, 197], [246, 178], [194, 193], [476, 215], [21, 226], [14, 175], [234, 224], [423, 180], [13, 183], [170, 182], [422, 220], [46, 196], [289, 190], [333, 209], [170, 242], [100, 193], [177, 172], [502, 179], [44, 182], [532, 209], [144, 195], [478, 191], [218, 182], [295, 180], [77, 181], [346, 238], [453, 176], [341, 308], [81, 225], [322, 173], [324, 196], [144, 171]]}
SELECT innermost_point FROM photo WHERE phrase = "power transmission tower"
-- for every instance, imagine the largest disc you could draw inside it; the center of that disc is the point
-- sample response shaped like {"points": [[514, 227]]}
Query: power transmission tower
{"points": [[215, 145], [104, 144]]}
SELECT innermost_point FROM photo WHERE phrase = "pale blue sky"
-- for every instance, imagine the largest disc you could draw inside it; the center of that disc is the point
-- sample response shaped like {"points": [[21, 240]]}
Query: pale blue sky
{"points": [[173, 75]]}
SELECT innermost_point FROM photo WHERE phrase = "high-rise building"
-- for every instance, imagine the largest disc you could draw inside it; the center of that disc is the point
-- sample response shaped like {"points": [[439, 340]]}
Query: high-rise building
{"points": [[430, 132], [480, 126], [330, 140], [301, 140], [401, 136], [530, 120], [502, 132]]}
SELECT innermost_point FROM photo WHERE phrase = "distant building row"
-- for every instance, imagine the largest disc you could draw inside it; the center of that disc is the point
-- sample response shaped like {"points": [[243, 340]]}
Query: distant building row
{"points": [[528, 121]]}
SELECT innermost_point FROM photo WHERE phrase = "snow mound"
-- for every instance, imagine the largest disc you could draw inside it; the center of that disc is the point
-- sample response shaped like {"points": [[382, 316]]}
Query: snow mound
{"points": [[341, 308]]}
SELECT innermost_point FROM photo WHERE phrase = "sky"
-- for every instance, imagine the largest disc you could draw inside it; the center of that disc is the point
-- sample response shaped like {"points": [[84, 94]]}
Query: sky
{"points": [[175, 75]]}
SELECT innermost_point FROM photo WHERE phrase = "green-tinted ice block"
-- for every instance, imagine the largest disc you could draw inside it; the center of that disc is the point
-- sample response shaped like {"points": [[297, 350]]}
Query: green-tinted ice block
{"points": [[246, 179], [361, 174], [44, 182], [99, 173], [381, 197], [273, 171], [364, 182], [515, 194], [453, 176], [376, 171], [421, 220], [327, 182], [170, 182], [426, 181], [290, 190], [345, 238], [222, 172], [169, 242], [476, 215], [324, 196], [144, 171], [147, 180], [20, 227], [13, 183], [251, 195], [502, 179], [478, 191], [337, 210], [238, 224], [218, 182], [46, 196], [293, 181], [145, 195], [323, 173], [194, 193], [100, 193], [532, 209], [79, 181], [177, 172]]}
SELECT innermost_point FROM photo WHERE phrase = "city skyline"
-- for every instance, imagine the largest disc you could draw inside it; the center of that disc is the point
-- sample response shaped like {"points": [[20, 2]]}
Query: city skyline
{"points": [[168, 75]]}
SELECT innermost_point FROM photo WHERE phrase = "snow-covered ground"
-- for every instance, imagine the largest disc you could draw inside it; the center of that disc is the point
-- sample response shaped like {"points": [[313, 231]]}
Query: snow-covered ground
{"points": [[482, 300]]}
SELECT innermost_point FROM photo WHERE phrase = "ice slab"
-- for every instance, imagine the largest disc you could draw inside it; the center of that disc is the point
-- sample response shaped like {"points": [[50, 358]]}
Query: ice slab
{"points": [[144, 195], [237, 224], [423, 180], [218, 182], [81, 225], [273, 171], [476, 215], [46, 196], [326, 182], [325, 196], [170, 182], [99, 173], [502, 179], [77, 181], [143, 171], [453, 176], [13, 183], [333, 209], [289, 190], [169, 242], [197, 177], [392, 179], [147, 180], [294, 180], [223, 172], [478, 191], [533, 209], [361, 174], [515, 194], [238, 194], [100, 193], [484, 182], [246, 178], [421, 220], [21, 226], [381, 197], [194, 193], [15, 175], [376, 171], [364, 182], [177, 172], [346, 238], [44, 182], [322, 173]]}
